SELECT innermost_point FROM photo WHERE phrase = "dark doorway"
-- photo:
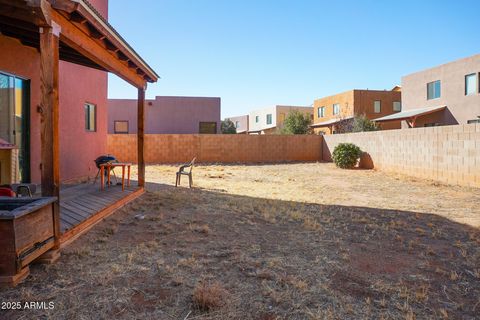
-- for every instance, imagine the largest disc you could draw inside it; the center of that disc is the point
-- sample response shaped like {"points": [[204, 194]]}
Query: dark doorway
{"points": [[208, 127]]}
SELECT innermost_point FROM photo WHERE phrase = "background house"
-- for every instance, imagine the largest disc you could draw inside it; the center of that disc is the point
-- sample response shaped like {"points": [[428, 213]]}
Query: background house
{"points": [[166, 115], [241, 123], [333, 111], [268, 120], [444, 95], [82, 88]]}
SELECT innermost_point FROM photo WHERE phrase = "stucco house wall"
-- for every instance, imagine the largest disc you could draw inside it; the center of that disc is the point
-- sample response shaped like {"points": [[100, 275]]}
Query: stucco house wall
{"points": [[278, 112], [460, 107], [242, 122], [77, 85], [166, 115]]}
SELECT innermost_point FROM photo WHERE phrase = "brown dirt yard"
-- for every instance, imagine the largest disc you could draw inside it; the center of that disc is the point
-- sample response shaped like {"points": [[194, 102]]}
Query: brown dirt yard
{"points": [[286, 241]]}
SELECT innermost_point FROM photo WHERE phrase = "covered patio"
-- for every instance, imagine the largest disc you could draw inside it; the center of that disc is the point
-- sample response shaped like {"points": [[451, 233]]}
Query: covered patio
{"points": [[74, 31], [332, 124], [411, 116]]}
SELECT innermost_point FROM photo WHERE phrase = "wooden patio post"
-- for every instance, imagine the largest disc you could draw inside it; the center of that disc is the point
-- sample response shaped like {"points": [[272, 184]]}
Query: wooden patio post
{"points": [[140, 137], [49, 109]]}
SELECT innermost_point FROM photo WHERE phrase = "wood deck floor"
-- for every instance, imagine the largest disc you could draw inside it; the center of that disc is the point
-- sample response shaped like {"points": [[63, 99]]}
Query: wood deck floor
{"points": [[83, 205]]}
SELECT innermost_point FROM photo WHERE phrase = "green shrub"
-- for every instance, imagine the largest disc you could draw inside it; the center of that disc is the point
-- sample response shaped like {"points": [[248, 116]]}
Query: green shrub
{"points": [[346, 155], [296, 122]]}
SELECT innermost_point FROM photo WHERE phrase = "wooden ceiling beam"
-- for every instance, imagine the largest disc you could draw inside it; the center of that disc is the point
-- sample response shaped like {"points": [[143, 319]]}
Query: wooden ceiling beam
{"points": [[93, 32], [77, 17], [109, 45]]}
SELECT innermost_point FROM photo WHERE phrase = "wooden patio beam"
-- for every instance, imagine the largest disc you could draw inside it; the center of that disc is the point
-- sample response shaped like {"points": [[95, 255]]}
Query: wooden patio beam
{"points": [[93, 50], [140, 137], [49, 110], [35, 11]]}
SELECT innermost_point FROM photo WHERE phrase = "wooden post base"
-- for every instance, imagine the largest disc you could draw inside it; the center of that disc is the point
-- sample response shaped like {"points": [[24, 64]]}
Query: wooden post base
{"points": [[49, 257], [12, 281]]}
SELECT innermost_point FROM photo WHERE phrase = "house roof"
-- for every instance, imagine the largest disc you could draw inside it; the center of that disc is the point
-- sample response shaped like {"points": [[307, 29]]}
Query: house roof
{"points": [[86, 10], [86, 37], [408, 114], [330, 122]]}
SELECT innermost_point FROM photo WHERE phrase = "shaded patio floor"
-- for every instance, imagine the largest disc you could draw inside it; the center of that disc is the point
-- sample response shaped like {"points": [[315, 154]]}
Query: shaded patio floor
{"points": [[82, 205]]}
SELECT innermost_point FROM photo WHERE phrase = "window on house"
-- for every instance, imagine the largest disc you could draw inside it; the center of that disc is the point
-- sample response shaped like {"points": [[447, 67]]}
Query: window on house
{"points": [[237, 124], [257, 118], [90, 117], [433, 90], [282, 117], [321, 112], [336, 108], [397, 106], [269, 118], [474, 121], [471, 84], [377, 106], [120, 126]]}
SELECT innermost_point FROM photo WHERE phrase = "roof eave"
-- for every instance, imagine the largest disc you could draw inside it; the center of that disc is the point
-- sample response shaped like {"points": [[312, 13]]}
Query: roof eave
{"points": [[85, 9]]}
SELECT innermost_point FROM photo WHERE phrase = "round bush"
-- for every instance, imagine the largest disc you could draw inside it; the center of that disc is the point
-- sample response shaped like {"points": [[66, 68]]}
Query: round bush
{"points": [[346, 155]]}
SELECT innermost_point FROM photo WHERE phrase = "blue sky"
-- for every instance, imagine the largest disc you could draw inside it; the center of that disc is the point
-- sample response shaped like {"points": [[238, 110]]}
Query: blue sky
{"points": [[257, 53]]}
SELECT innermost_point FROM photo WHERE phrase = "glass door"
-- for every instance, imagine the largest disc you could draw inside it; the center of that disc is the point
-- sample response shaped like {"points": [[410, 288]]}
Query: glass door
{"points": [[15, 118]]}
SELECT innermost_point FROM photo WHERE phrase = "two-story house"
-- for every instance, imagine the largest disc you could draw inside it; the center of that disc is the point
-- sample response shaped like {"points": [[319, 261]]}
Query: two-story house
{"points": [[333, 112], [444, 95]]}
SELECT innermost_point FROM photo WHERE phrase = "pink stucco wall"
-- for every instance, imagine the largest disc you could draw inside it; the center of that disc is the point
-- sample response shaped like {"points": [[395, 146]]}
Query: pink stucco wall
{"points": [[77, 85], [166, 115]]}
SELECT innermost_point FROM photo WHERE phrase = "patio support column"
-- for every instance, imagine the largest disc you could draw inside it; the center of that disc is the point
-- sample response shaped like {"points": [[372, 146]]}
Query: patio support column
{"points": [[140, 136], [49, 109]]}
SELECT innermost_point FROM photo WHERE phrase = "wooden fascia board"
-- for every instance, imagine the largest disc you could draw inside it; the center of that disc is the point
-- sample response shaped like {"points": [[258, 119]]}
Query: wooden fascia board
{"points": [[81, 42]]}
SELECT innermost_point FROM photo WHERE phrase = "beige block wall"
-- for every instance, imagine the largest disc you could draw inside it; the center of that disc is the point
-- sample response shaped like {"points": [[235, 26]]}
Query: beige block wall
{"points": [[449, 154], [175, 148]]}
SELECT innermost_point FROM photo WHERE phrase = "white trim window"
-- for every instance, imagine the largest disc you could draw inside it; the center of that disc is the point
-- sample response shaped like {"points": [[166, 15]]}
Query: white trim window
{"points": [[321, 112], [336, 109], [269, 118], [433, 90], [471, 84], [397, 106], [377, 106]]}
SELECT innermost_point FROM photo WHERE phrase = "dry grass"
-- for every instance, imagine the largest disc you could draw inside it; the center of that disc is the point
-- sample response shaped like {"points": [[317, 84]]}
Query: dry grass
{"points": [[296, 241], [209, 296]]}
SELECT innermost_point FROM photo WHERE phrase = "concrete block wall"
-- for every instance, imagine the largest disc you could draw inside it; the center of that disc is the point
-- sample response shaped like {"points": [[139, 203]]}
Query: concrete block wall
{"points": [[175, 148], [448, 154]]}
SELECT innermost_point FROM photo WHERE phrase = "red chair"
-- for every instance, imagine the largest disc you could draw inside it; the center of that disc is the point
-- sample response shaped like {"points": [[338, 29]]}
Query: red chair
{"points": [[6, 192]]}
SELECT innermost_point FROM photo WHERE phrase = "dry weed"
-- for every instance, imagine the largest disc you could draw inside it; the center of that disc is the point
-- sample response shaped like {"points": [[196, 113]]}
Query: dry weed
{"points": [[209, 296]]}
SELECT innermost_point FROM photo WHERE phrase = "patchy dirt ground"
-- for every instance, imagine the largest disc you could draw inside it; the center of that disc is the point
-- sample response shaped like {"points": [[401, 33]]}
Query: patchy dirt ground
{"points": [[293, 241]]}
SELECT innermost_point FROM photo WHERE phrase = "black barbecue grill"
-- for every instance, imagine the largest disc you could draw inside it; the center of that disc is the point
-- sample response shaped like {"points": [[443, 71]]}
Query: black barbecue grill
{"points": [[103, 160]]}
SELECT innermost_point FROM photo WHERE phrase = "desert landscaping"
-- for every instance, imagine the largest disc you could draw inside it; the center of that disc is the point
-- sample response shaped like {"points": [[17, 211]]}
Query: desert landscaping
{"points": [[284, 241]]}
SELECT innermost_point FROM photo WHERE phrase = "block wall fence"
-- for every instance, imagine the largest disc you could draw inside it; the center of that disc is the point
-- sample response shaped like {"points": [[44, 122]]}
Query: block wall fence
{"points": [[448, 154], [210, 148]]}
